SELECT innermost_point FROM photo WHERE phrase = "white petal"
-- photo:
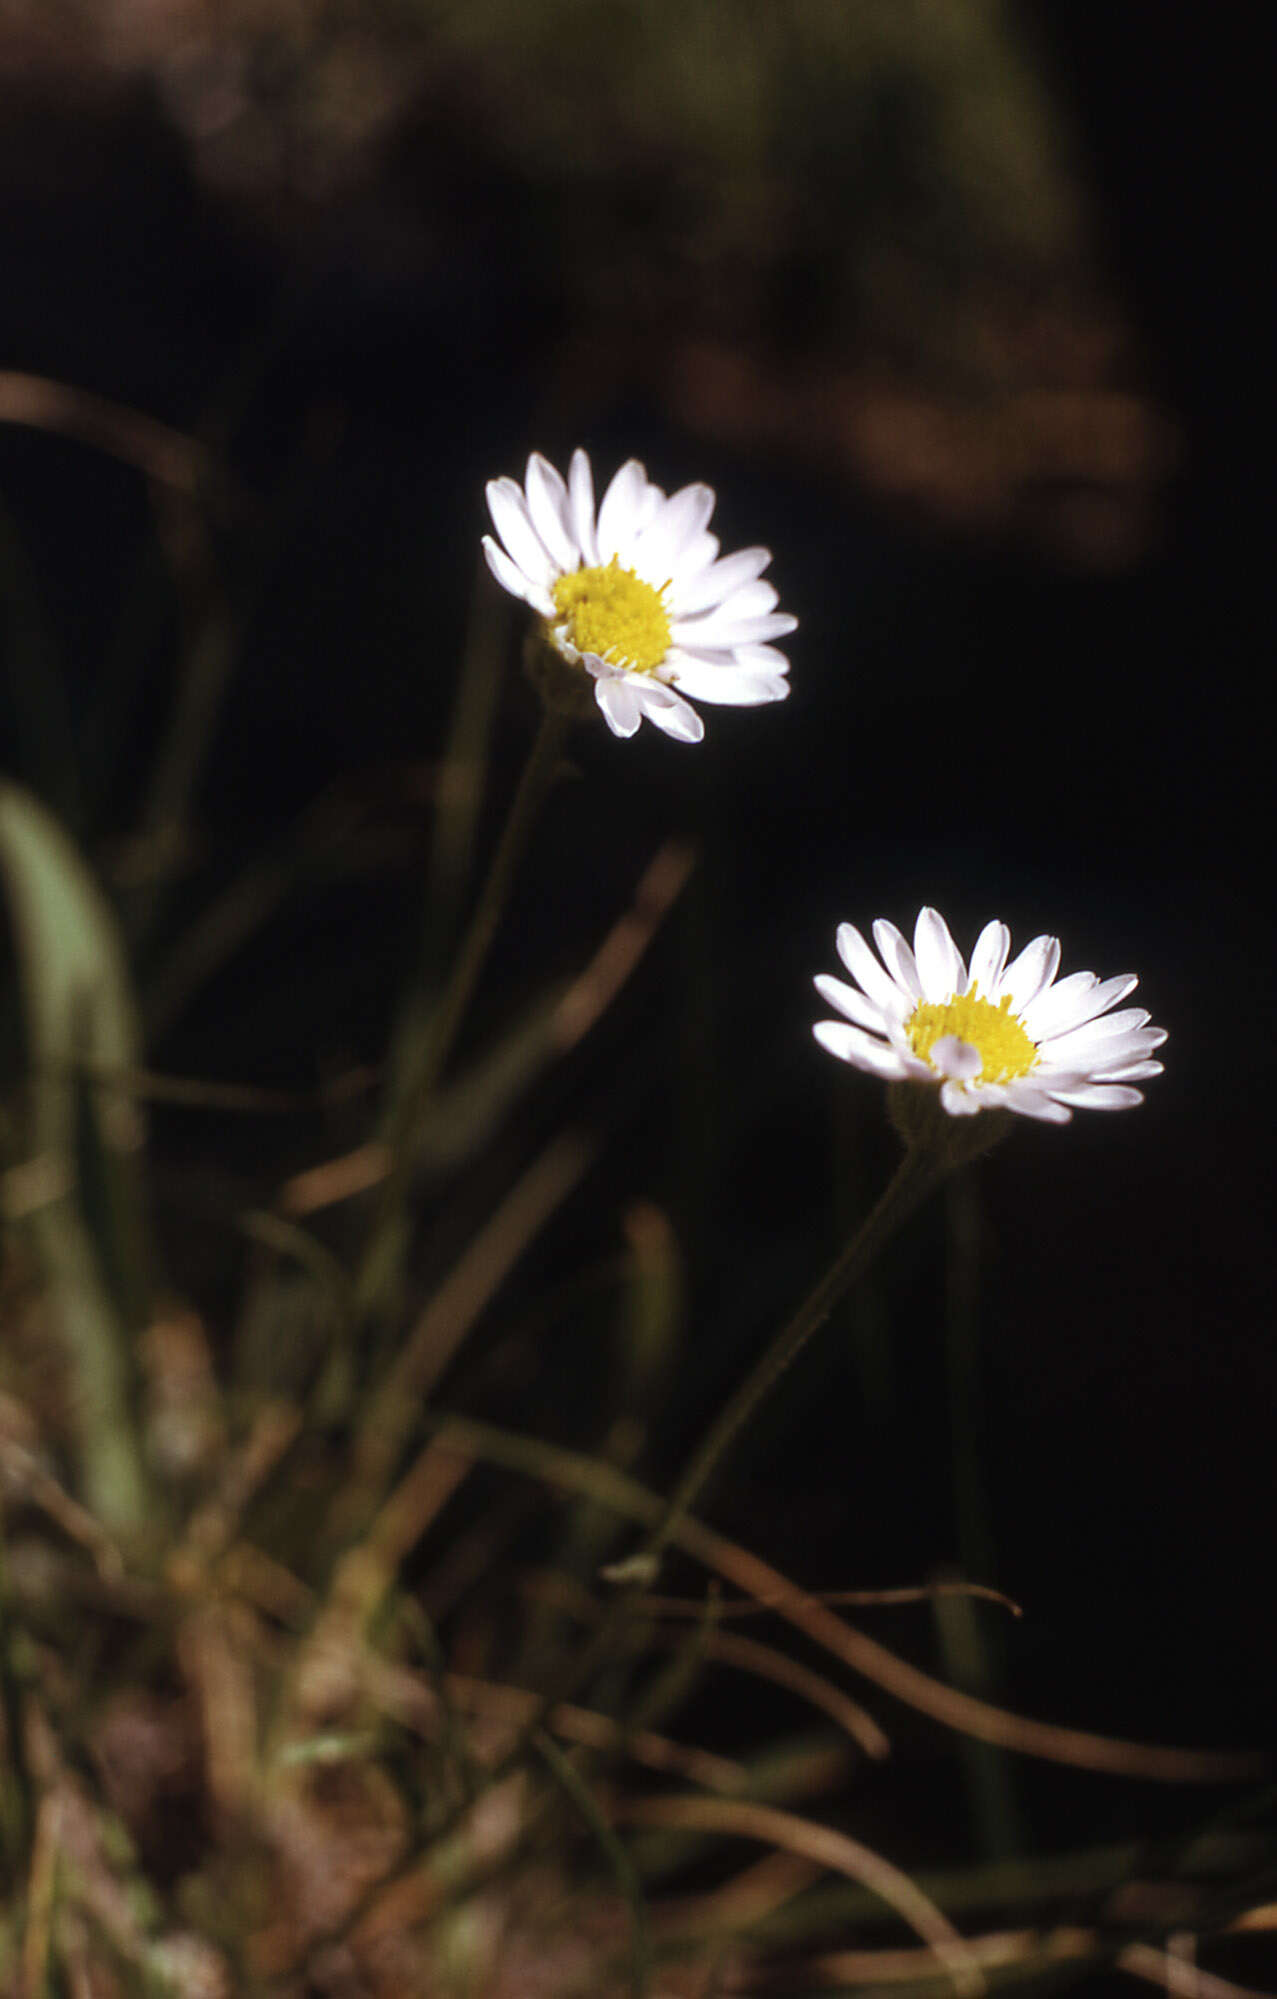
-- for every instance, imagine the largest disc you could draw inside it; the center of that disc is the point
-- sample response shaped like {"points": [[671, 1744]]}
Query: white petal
{"points": [[717, 630], [992, 1096], [1031, 1102], [699, 555], [715, 659], [956, 1058], [770, 658], [869, 975], [668, 710], [1100, 1097], [1074, 1002], [849, 1001], [676, 525], [651, 500], [620, 709], [512, 578], [1106, 1063], [989, 958], [581, 500], [729, 684], [752, 600], [913, 1065], [1083, 1043], [939, 961], [1136, 1043], [619, 514], [1130, 1072], [1081, 1051], [1064, 1005], [510, 517], [696, 590], [850, 1045], [957, 1101], [897, 957], [548, 505], [1032, 972]]}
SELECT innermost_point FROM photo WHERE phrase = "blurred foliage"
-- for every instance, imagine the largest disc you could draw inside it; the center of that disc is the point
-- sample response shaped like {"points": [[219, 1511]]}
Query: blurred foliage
{"points": [[284, 1578], [301, 1683], [744, 92], [855, 233], [83, 1203]]}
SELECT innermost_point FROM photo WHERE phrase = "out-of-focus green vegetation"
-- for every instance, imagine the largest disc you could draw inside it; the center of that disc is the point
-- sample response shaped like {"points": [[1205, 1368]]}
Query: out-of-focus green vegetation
{"points": [[852, 234], [295, 1537]]}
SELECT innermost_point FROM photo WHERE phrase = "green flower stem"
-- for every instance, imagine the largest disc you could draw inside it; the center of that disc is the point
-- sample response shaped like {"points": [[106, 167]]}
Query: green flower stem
{"points": [[921, 1169], [917, 1174], [380, 1272]]}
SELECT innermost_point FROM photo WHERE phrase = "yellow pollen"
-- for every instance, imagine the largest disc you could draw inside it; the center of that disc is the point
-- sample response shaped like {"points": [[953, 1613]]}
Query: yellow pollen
{"points": [[1005, 1049], [614, 613]]}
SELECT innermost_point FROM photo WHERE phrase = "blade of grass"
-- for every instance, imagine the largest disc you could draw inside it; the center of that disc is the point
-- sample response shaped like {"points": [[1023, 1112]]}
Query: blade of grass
{"points": [[728, 1648], [79, 1005], [41, 1903], [163, 454], [381, 1268], [464, 1112], [833, 1850], [593, 1730], [566, 1775], [1078, 1748], [393, 1409]]}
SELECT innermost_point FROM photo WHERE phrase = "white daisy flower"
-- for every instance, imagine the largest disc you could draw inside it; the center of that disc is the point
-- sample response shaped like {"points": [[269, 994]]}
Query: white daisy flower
{"points": [[637, 593], [993, 1035]]}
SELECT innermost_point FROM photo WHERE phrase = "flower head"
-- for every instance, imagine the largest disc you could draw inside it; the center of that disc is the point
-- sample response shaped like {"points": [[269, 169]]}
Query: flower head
{"points": [[991, 1035], [636, 592]]}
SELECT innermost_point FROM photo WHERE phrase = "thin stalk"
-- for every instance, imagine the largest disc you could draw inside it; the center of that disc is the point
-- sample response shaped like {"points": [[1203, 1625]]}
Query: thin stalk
{"points": [[380, 1269], [915, 1176], [567, 1776], [918, 1172]]}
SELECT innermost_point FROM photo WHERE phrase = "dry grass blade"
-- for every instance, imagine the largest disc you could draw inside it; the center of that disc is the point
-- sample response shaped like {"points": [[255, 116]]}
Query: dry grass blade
{"points": [[163, 454], [1262, 1918], [746, 1899], [1079, 1748], [835, 1599], [193, 1093], [42, 1888], [516, 1705], [1032, 1952], [589, 996], [333, 1657], [1179, 1977], [214, 1651], [830, 1849], [568, 1778], [574, 1013], [747, 1653], [769, 1664], [434, 1339], [23, 1473], [337, 1180], [999, 1951], [213, 1527]]}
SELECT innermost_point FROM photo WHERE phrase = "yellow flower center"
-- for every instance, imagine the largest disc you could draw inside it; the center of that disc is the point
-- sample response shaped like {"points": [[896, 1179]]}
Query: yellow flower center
{"points": [[1004, 1047], [614, 613]]}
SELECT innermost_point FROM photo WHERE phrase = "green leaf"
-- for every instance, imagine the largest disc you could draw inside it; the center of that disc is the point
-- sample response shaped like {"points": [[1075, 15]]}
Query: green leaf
{"points": [[77, 1191]]}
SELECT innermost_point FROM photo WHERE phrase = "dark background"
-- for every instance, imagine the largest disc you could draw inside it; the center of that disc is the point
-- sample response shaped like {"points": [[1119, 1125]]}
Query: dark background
{"points": [[1031, 692]]}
